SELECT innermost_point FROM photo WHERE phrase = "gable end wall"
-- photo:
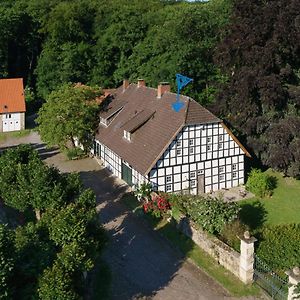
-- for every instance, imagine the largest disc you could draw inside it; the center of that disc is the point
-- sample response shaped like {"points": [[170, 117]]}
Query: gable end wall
{"points": [[197, 150]]}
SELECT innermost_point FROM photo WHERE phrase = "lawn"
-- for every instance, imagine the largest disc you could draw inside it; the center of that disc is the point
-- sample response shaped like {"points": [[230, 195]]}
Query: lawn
{"points": [[15, 134], [281, 208], [191, 251]]}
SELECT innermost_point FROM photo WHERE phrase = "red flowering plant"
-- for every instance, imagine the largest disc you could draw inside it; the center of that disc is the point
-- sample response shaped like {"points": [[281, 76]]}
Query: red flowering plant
{"points": [[158, 205]]}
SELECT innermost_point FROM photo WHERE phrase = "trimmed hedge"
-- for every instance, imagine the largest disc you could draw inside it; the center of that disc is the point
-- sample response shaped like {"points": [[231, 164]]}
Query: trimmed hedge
{"points": [[279, 246]]}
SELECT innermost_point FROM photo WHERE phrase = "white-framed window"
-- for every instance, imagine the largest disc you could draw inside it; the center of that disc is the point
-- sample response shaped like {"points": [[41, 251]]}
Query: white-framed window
{"points": [[168, 188], [221, 169], [178, 152], [127, 135], [234, 175], [169, 179], [191, 150], [208, 148], [220, 146], [209, 139], [191, 142], [221, 177], [178, 143], [234, 167], [193, 183], [193, 175], [200, 172], [220, 138]]}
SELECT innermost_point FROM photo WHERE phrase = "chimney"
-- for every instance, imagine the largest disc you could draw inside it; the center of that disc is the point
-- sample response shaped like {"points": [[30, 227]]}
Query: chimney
{"points": [[162, 88], [141, 82], [125, 84]]}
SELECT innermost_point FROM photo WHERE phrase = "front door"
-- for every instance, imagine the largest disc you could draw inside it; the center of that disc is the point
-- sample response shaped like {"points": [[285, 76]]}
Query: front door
{"points": [[200, 186], [126, 174]]}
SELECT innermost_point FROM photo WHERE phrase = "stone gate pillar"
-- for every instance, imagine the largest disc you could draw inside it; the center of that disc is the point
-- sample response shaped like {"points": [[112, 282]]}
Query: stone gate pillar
{"points": [[247, 258], [294, 279]]}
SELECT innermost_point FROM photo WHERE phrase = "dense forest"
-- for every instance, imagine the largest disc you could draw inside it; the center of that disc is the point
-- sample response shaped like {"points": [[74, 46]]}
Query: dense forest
{"points": [[101, 42], [244, 57]]}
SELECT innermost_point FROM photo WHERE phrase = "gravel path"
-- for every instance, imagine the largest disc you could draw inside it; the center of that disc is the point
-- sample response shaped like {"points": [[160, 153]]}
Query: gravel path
{"points": [[143, 265]]}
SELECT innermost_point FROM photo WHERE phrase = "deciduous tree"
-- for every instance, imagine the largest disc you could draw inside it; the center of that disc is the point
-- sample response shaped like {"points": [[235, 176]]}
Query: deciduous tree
{"points": [[70, 112], [260, 56]]}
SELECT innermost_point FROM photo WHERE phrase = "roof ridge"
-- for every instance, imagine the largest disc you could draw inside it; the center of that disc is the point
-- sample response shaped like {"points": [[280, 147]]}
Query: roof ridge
{"points": [[171, 93]]}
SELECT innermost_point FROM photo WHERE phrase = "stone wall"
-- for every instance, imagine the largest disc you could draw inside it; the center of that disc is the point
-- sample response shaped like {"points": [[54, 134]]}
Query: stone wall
{"points": [[222, 253]]}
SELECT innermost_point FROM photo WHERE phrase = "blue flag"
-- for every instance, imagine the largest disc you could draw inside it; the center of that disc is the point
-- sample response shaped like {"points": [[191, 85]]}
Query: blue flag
{"points": [[182, 81]]}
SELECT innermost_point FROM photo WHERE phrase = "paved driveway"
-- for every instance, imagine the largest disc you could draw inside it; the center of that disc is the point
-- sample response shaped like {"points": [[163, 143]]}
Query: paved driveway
{"points": [[143, 265]]}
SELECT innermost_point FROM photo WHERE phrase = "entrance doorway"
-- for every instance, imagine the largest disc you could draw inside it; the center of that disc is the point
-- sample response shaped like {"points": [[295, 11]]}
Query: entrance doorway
{"points": [[126, 174], [200, 185]]}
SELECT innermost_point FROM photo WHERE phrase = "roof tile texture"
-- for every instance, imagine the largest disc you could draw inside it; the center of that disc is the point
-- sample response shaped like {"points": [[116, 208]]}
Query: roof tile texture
{"points": [[151, 139], [12, 95]]}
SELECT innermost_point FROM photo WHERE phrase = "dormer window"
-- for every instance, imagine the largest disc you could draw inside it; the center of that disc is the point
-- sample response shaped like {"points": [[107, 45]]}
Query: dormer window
{"points": [[127, 135], [103, 121]]}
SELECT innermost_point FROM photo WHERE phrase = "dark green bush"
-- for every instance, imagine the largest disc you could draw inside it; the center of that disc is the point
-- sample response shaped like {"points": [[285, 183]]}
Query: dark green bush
{"points": [[279, 246], [209, 213], [260, 183], [74, 153]]}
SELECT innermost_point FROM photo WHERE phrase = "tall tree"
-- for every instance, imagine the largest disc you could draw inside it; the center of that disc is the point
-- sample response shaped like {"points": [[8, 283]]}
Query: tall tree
{"points": [[67, 51], [260, 56], [7, 262], [181, 41], [69, 113], [27, 183]]}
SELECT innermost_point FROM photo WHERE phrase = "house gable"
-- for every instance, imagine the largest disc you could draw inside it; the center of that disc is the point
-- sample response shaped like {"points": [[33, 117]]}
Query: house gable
{"points": [[202, 149]]}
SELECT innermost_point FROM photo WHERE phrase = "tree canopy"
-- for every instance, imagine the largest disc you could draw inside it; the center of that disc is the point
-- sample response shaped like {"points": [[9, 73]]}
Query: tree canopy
{"points": [[102, 41], [260, 56], [46, 257], [70, 113]]}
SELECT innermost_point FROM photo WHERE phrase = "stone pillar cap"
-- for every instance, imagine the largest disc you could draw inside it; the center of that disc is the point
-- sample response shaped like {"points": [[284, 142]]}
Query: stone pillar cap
{"points": [[294, 273], [246, 237]]}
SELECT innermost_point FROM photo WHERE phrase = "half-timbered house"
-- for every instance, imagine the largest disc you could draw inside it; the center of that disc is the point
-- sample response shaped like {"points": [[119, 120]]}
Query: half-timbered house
{"points": [[142, 139]]}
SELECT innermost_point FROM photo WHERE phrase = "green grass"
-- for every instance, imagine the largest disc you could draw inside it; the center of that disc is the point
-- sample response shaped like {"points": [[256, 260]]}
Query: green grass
{"points": [[281, 208], [15, 134], [190, 250]]}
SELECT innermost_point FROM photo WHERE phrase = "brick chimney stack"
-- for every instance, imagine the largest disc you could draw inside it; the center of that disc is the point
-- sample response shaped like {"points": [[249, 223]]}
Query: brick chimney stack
{"points": [[125, 84], [162, 88], [141, 82]]}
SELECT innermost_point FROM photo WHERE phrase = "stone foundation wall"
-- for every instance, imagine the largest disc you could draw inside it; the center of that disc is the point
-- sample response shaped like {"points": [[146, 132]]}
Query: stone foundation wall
{"points": [[222, 253]]}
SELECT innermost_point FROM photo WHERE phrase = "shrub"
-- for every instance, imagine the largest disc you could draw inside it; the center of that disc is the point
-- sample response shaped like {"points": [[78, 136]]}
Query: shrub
{"points": [[279, 246], [143, 191], [230, 233], [158, 205], [209, 213], [260, 183], [74, 153]]}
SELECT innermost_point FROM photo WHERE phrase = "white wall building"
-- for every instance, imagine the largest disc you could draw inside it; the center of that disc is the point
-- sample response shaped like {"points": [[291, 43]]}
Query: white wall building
{"points": [[142, 139], [12, 105]]}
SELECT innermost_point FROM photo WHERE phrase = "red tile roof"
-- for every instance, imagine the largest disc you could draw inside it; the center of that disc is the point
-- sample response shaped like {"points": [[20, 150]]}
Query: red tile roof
{"points": [[12, 95], [160, 123]]}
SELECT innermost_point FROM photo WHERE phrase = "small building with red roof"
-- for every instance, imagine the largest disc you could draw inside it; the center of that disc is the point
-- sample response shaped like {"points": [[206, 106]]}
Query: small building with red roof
{"points": [[12, 105]]}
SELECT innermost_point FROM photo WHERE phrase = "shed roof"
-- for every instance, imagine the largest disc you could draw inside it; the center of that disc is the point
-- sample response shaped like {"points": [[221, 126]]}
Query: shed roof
{"points": [[12, 95]]}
